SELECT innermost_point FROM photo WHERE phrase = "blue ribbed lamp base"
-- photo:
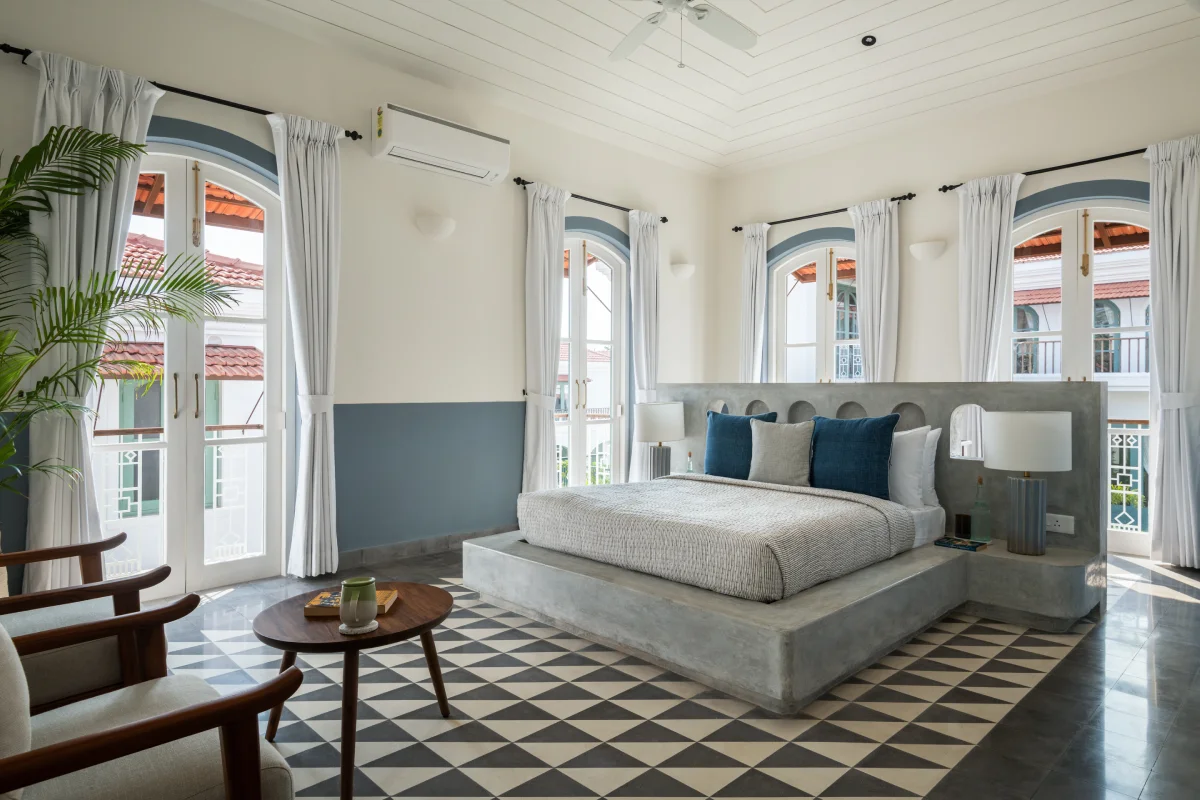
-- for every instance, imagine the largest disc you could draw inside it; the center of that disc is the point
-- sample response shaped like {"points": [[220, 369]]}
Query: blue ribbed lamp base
{"points": [[660, 461], [1027, 516]]}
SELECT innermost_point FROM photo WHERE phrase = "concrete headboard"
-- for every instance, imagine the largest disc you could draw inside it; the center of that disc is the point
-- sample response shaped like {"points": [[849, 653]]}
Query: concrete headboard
{"points": [[1079, 493]]}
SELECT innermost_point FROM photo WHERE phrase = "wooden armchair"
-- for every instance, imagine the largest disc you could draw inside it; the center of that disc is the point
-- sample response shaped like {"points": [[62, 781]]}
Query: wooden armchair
{"points": [[55, 676], [163, 736]]}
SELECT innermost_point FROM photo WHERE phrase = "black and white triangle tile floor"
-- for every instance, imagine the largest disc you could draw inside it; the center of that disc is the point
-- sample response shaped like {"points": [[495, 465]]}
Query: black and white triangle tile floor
{"points": [[539, 713]]}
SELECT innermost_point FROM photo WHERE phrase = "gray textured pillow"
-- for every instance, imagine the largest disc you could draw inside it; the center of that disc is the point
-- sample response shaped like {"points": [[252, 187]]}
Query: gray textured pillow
{"points": [[781, 452]]}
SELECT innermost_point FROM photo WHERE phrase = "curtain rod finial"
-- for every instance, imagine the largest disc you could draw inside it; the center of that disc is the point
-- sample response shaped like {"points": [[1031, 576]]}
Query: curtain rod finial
{"points": [[737, 228], [353, 136]]}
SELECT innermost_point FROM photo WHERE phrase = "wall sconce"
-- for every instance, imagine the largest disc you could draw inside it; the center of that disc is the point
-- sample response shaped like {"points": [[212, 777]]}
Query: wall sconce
{"points": [[927, 251], [435, 226], [683, 271]]}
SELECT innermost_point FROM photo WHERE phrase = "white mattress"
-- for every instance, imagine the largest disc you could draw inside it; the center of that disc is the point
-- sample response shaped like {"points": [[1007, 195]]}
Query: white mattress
{"points": [[930, 522]]}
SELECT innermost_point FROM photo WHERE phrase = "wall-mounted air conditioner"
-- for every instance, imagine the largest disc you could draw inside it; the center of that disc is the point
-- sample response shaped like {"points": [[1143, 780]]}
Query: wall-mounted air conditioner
{"points": [[419, 140]]}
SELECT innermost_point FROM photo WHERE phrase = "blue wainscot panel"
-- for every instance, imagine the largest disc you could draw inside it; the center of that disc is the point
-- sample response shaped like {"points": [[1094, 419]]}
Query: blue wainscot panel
{"points": [[13, 508], [408, 471]]}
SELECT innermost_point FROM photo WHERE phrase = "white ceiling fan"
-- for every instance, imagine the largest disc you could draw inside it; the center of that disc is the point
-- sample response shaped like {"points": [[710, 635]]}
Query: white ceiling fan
{"points": [[705, 16]]}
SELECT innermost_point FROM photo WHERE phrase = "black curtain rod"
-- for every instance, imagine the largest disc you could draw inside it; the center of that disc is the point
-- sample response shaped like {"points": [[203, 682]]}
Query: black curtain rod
{"points": [[738, 228], [951, 187], [25, 52], [523, 183]]}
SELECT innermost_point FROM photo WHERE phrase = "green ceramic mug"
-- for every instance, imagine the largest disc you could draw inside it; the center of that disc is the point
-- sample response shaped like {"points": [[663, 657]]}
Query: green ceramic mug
{"points": [[358, 602]]}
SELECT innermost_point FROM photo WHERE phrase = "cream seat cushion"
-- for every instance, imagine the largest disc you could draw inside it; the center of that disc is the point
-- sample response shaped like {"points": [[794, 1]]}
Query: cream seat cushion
{"points": [[68, 671], [14, 706], [187, 769]]}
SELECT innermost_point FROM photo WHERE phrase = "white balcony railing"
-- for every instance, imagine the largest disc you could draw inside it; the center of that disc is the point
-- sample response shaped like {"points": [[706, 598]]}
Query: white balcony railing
{"points": [[1114, 353], [848, 362], [1129, 450]]}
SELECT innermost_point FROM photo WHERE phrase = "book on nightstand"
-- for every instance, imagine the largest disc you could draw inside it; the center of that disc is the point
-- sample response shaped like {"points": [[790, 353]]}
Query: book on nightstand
{"points": [[329, 604], [960, 544]]}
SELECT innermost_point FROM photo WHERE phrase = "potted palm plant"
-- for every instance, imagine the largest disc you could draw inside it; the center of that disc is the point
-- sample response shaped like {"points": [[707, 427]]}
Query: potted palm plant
{"points": [[52, 337]]}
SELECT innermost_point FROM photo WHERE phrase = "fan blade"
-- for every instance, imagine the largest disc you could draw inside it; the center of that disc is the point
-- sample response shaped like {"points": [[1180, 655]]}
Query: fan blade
{"points": [[636, 36], [719, 25]]}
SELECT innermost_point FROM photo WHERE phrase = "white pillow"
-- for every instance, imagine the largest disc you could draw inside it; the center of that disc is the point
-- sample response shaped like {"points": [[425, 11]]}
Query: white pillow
{"points": [[928, 492], [904, 471]]}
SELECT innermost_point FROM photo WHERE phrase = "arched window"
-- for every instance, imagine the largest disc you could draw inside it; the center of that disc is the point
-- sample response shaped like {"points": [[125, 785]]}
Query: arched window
{"points": [[1025, 319], [814, 314], [1107, 315], [1025, 350], [847, 312], [1106, 346]]}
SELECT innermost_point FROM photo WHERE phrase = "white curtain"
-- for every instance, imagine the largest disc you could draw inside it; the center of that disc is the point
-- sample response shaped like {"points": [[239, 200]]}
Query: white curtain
{"points": [[544, 244], [643, 282], [84, 236], [877, 250], [985, 263], [1175, 344], [310, 191], [753, 355]]}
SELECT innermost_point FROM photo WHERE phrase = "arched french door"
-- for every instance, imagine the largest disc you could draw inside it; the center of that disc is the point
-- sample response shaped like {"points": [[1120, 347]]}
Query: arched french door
{"points": [[1083, 271], [814, 332], [589, 406], [190, 464]]}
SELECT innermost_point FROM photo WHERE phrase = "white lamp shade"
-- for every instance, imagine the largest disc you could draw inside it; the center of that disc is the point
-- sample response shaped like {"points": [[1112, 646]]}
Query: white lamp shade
{"points": [[1027, 441], [658, 422]]}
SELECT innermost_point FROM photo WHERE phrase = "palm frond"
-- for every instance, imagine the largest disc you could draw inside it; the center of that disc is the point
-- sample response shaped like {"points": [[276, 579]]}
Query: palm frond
{"points": [[67, 161], [107, 307]]}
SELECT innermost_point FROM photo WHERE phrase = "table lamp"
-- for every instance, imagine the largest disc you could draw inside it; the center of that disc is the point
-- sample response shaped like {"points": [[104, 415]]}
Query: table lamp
{"points": [[658, 423], [1025, 442]]}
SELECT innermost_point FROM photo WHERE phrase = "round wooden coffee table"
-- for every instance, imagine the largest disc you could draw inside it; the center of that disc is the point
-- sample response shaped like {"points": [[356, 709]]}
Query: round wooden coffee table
{"points": [[418, 610]]}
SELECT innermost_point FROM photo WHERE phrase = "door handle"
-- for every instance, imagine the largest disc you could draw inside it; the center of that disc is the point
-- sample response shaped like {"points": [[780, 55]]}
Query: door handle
{"points": [[175, 377], [196, 376], [585, 383], [577, 392]]}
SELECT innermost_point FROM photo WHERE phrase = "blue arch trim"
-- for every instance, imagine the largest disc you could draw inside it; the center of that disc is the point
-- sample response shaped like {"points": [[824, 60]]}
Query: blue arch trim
{"points": [[169, 130], [1107, 189], [806, 239], [598, 227]]}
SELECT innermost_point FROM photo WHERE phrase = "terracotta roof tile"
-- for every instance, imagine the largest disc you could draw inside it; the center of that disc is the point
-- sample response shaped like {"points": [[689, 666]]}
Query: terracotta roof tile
{"points": [[221, 361], [225, 270], [1103, 291]]}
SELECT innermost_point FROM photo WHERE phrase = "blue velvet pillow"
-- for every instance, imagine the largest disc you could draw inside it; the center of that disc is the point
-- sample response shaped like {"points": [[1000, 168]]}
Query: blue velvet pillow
{"points": [[853, 454], [729, 445]]}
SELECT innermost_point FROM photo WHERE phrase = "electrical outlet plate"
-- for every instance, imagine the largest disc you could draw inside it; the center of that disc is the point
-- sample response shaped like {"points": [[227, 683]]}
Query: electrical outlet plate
{"points": [[1060, 523]]}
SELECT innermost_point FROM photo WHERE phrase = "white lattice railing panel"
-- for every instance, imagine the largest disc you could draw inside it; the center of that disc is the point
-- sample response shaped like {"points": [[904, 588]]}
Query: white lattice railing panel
{"points": [[1129, 449]]}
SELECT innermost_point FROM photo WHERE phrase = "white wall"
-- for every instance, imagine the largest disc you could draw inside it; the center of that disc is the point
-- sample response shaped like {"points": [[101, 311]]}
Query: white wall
{"points": [[424, 321], [420, 321], [1119, 113]]}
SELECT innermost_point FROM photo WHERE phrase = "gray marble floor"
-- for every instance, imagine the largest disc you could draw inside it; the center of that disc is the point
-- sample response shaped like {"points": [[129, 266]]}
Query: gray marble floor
{"points": [[970, 709]]}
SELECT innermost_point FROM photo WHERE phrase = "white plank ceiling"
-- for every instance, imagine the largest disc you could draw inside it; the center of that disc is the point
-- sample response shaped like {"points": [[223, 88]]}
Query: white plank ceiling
{"points": [[808, 81]]}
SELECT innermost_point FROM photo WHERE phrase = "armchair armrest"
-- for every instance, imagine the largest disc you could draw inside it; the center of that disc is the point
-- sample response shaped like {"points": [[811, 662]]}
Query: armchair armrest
{"points": [[236, 716], [124, 592], [41, 641], [90, 563]]}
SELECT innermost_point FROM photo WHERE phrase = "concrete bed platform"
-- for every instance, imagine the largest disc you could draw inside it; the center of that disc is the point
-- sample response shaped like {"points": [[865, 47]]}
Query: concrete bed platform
{"points": [[781, 655]]}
